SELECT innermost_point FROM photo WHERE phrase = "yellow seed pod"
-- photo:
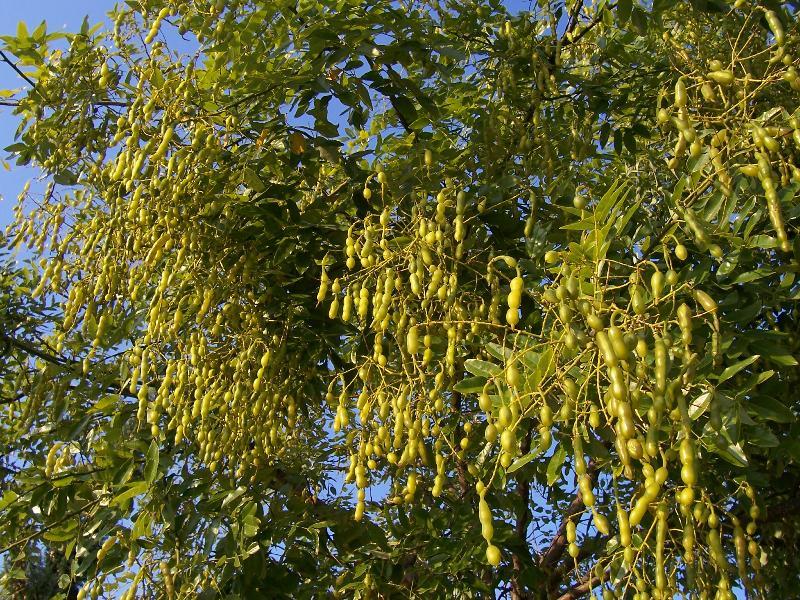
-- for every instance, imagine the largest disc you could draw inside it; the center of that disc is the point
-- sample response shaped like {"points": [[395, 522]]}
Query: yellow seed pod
{"points": [[722, 77], [106, 547], [514, 299], [573, 550], [601, 522], [412, 340], [493, 555], [571, 531], [775, 26], [508, 441], [512, 317], [706, 301], [334, 308], [624, 527], [680, 93], [512, 376]]}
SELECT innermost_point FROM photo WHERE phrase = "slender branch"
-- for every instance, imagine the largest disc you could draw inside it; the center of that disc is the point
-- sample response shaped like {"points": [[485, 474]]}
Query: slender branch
{"points": [[589, 26], [116, 103], [47, 528], [392, 98], [51, 358], [461, 466], [523, 517], [30, 349], [551, 556], [13, 65], [580, 589], [16, 398], [573, 17]]}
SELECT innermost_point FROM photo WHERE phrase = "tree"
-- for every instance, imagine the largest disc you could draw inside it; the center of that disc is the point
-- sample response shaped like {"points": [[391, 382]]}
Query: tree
{"points": [[409, 300]]}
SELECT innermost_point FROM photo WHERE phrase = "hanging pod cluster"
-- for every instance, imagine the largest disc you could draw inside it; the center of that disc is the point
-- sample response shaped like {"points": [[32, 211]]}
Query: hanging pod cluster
{"points": [[211, 364], [753, 139]]}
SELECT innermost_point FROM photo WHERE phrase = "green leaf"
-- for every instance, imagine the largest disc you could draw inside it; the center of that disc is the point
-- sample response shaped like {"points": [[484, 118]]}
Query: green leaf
{"points": [[498, 351], [470, 385], [733, 453], [700, 405], [521, 461], [770, 408], [762, 437], [736, 367], [61, 534], [105, 403], [250, 525], [482, 368], [630, 141], [252, 179], [151, 464], [544, 366], [135, 489], [608, 201], [142, 526], [8, 498], [40, 32], [233, 495], [555, 464], [624, 8], [783, 360], [406, 108]]}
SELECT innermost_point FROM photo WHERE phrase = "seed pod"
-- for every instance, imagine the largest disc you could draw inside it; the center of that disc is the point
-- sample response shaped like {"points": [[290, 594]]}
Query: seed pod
{"points": [[601, 522], [685, 323], [723, 77], [680, 93], [657, 284], [706, 301], [660, 366], [661, 536], [606, 350], [624, 527], [618, 344], [638, 300], [412, 340], [493, 555], [775, 26], [508, 441], [512, 376], [485, 517], [708, 92]]}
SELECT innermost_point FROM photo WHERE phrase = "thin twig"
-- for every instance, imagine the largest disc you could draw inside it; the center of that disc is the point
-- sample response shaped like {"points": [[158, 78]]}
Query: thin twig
{"points": [[18, 70], [47, 528], [550, 557], [580, 589]]}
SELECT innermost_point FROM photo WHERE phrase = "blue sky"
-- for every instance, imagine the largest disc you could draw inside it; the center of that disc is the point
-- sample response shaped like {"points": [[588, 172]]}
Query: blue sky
{"points": [[60, 15]]}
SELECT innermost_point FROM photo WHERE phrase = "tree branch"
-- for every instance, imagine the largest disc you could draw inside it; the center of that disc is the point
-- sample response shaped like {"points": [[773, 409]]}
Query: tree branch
{"points": [[13, 65], [523, 517], [51, 358], [461, 466], [17, 398], [589, 26], [392, 98], [573, 17], [581, 588], [47, 528], [25, 347], [553, 553]]}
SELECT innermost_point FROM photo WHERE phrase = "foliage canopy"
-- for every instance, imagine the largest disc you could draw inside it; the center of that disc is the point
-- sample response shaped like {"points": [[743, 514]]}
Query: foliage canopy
{"points": [[425, 299]]}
